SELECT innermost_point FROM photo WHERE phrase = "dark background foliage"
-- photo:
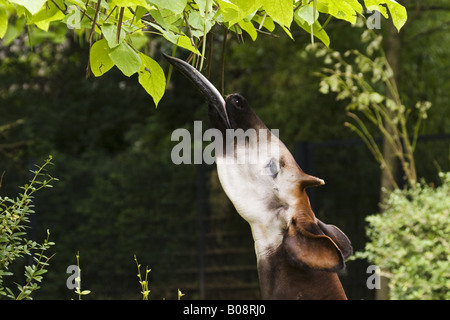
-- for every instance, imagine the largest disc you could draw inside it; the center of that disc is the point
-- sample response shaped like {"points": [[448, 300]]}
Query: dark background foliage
{"points": [[120, 195]]}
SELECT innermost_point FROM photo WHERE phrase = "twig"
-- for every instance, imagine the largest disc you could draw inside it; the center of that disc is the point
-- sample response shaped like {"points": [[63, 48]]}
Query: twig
{"points": [[208, 72], [204, 36], [188, 26], [91, 37], [224, 45], [57, 6], [119, 24]]}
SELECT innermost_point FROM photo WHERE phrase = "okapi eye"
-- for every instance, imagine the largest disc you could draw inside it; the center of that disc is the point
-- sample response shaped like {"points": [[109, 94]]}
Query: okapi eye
{"points": [[272, 168], [238, 103]]}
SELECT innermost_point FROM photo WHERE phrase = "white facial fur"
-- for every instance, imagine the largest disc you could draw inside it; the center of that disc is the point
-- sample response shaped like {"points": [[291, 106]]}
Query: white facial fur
{"points": [[260, 182]]}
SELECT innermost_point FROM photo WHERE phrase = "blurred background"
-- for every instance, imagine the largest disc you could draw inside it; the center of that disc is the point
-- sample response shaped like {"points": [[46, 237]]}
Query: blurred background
{"points": [[119, 193]]}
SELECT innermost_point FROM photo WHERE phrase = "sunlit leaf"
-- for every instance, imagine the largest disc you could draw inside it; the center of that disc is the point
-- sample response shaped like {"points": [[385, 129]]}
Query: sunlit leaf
{"points": [[3, 23], [126, 59], [281, 11], [152, 78], [99, 58], [33, 6]]}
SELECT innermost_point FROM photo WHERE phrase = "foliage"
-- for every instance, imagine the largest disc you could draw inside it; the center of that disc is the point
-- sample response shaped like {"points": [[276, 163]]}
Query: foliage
{"points": [[14, 217], [117, 30], [143, 281], [410, 241], [363, 81], [78, 290]]}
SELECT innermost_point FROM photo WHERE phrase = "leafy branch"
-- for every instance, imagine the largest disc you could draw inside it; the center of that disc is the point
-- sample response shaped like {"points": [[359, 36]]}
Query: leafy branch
{"points": [[361, 81], [118, 31], [14, 221]]}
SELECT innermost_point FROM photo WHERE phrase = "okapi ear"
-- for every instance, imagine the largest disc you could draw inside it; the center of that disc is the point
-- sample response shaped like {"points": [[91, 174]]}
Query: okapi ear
{"points": [[312, 249]]}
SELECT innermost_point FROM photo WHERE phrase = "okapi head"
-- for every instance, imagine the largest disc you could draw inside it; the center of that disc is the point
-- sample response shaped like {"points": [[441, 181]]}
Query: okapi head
{"points": [[297, 253]]}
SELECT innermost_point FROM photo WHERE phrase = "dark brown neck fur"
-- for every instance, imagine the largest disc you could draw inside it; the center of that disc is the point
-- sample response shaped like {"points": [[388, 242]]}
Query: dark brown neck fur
{"points": [[280, 280]]}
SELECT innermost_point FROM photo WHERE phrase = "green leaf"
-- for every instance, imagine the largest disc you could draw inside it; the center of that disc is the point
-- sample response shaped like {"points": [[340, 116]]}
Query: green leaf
{"points": [[33, 6], [342, 9], [318, 31], [131, 3], [307, 14], [176, 6], [126, 59], [152, 78], [202, 6], [234, 11], [373, 5], [79, 3], [110, 33], [185, 42], [266, 23], [99, 58], [398, 13], [46, 15], [249, 28], [3, 23], [281, 11], [231, 13]]}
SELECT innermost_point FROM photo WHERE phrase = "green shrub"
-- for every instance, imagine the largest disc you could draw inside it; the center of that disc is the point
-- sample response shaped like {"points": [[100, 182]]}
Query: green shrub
{"points": [[14, 222], [410, 241]]}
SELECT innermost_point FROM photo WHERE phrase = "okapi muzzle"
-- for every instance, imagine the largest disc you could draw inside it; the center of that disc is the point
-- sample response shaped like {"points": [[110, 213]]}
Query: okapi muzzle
{"points": [[298, 255]]}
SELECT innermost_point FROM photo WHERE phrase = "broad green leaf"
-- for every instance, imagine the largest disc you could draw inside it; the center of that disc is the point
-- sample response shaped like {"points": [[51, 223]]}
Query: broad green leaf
{"points": [[79, 3], [202, 6], [110, 34], [152, 78], [247, 7], [99, 58], [307, 13], [266, 23], [46, 15], [249, 28], [185, 42], [197, 23], [398, 13], [33, 6], [318, 31], [131, 3], [179, 40], [342, 9], [176, 6], [231, 13], [372, 5], [281, 11], [126, 59], [234, 11], [3, 23]]}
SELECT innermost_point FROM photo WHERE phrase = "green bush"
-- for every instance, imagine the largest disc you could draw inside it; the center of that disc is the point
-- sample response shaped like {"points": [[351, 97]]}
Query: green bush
{"points": [[14, 222], [410, 241]]}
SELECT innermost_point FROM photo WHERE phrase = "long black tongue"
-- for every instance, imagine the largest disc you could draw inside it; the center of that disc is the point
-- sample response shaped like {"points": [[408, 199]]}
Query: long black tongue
{"points": [[213, 95]]}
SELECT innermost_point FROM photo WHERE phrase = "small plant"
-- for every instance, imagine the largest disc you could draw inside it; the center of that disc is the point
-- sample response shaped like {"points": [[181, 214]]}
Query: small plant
{"points": [[14, 221], [143, 281], [78, 290]]}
